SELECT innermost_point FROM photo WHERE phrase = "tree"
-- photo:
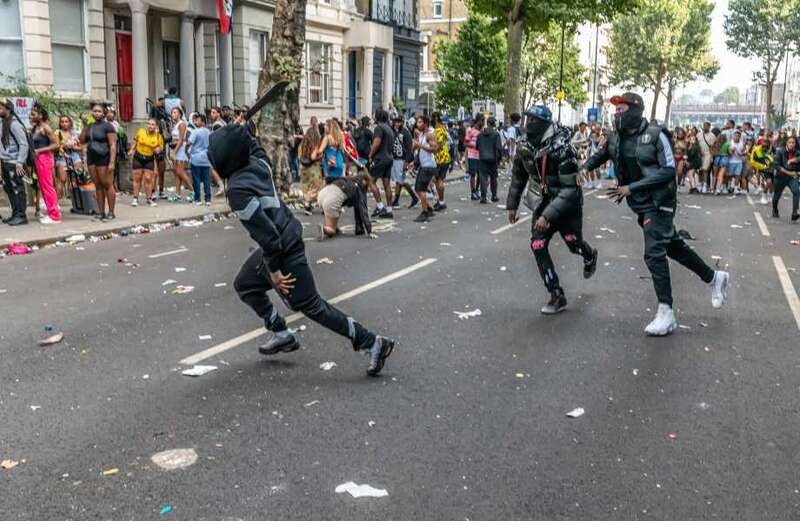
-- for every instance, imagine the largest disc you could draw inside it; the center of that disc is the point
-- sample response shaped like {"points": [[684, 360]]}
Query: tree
{"points": [[664, 44], [778, 23], [471, 67], [540, 68], [278, 122], [520, 17], [727, 96]]}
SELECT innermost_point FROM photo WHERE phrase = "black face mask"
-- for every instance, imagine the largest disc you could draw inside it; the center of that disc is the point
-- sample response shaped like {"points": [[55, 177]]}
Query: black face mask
{"points": [[535, 129], [630, 119]]}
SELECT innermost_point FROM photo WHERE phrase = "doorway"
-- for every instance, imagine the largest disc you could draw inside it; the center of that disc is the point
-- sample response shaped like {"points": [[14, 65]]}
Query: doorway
{"points": [[352, 84], [172, 66], [124, 76]]}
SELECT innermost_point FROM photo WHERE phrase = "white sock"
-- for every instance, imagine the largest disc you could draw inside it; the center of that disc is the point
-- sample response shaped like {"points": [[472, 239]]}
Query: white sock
{"points": [[380, 206]]}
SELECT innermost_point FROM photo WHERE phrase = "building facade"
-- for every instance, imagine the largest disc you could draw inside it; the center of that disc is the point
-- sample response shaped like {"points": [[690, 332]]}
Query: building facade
{"points": [[131, 51], [440, 21]]}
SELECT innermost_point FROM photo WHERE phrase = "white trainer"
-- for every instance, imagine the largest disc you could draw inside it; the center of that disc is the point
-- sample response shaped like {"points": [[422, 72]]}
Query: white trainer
{"points": [[764, 199], [135, 201], [719, 288], [664, 323]]}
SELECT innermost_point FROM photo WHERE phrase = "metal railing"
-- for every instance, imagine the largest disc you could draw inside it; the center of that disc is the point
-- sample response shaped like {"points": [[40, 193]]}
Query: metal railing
{"points": [[400, 18]]}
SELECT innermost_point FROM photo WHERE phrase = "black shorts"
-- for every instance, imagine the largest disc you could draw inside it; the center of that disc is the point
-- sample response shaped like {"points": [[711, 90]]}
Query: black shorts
{"points": [[95, 159], [381, 169], [441, 171], [141, 162], [424, 178], [161, 156]]}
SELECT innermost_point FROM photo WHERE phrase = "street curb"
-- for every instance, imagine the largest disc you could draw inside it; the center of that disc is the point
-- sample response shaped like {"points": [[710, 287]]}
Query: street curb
{"points": [[115, 229]]}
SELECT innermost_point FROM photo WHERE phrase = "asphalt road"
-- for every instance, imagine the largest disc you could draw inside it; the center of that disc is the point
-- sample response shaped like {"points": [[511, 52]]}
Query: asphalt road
{"points": [[468, 420]]}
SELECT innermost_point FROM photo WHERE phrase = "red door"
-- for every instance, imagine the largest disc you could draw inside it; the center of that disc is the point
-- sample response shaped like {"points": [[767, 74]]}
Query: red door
{"points": [[124, 77]]}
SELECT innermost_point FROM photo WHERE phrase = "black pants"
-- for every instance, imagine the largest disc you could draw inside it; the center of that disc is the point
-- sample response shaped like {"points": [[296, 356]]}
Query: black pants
{"points": [[488, 176], [662, 241], [252, 284], [15, 189], [782, 182], [571, 229]]}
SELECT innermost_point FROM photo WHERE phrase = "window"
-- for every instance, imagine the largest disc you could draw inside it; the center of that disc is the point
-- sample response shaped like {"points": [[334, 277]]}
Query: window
{"points": [[397, 88], [259, 41], [437, 8], [11, 63], [318, 66], [68, 40]]}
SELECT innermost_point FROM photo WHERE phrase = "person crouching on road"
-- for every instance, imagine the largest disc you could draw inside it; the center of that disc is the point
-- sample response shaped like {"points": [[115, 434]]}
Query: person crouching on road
{"points": [[645, 168], [280, 262], [342, 192], [547, 160]]}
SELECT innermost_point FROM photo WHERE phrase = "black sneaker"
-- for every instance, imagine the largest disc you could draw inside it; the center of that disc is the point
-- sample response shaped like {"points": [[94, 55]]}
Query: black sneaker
{"points": [[396, 202], [378, 354], [431, 213], [277, 345], [495, 199], [484, 201], [474, 196], [376, 212], [422, 217], [775, 214], [414, 203], [590, 267], [439, 206], [556, 304], [795, 216]]}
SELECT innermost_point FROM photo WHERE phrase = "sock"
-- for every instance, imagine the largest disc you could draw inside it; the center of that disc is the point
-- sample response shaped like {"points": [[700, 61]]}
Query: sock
{"points": [[380, 206]]}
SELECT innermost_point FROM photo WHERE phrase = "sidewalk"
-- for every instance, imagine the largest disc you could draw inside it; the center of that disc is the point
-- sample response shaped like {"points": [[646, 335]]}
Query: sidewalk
{"points": [[127, 216]]}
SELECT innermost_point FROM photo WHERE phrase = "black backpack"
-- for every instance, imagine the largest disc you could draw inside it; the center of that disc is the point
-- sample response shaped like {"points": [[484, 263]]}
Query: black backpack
{"points": [[30, 161]]}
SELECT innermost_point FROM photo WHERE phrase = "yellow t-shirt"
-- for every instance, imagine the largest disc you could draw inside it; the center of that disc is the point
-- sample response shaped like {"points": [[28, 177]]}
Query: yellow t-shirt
{"points": [[442, 155], [146, 143]]}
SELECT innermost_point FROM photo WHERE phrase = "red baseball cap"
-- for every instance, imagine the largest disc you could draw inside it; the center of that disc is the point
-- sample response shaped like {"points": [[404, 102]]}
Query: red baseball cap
{"points": [[628, 98]]}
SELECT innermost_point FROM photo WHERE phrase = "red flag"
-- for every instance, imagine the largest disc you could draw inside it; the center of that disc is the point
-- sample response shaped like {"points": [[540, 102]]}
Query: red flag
{"points": [[225, 10]]}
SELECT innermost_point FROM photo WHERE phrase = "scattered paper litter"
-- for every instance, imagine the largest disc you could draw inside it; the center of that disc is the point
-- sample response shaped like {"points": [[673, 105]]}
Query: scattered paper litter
{"points": [[52, 340], [503, 268], [694, 206], [174, 458], [703, 324], [445, 244], [72, 239], [220, 284], [609, 230], [35, 407], [166, 509], [464, 315], [179, 269], [8, 464], [313, 402], [716, 257], [181, 290], [576, 413], [371, 423], [110, 472], [520, 375], [635, 372], [168, 282], [683, 326], [361, 490], [598, 236], [205, 337], [199, 370], [601, 196], [3, 291], [736, 226], [327, 366], [324, 260]]}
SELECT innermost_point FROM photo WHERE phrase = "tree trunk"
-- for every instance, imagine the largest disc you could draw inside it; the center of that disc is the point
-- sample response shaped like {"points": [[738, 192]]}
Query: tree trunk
{"points": [[279, 122], [657, 90], [516, 23], [768, 95], [670, 92]]}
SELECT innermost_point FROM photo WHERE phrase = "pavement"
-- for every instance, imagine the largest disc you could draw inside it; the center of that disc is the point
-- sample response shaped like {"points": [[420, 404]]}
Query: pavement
{"points": [[467, 421]]}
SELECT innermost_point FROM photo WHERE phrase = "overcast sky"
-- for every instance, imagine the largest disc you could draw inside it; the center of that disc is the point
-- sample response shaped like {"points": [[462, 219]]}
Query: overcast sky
{"points": [[734, 71]]}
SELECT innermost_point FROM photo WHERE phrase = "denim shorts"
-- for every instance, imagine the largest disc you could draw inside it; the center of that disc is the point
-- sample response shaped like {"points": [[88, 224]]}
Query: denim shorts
{"points": [[721, 160], [734, 168]]}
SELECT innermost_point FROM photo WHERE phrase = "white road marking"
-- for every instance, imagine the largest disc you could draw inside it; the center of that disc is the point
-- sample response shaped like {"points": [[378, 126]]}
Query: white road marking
{"points": [[750, 200], [528, 218], [252, 335], [166, 253], [788, 288], [761, 224]]}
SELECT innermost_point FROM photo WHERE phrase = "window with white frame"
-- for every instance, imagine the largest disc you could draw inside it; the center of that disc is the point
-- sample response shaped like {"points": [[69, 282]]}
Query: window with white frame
{"points": [[68, 43], [397, 88], [318, 71], [12, 66], [259, 41], [437, 8]]}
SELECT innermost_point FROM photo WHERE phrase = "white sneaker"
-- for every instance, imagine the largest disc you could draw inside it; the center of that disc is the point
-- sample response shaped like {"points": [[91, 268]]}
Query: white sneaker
{"points": [[598, 184], [135, 201], [47, 220], [198, 203], [703, 188], [207, 203], [664, 323], [152, 202], [719, 288], [764, 199], [759, 190]]}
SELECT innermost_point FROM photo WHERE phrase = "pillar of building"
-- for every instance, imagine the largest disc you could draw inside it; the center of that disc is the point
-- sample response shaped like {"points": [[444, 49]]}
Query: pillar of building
{"points": [[200, 66], [366, 81], [157, 56], [388, 75], [187, 61], [141, 73], [226, 69]]}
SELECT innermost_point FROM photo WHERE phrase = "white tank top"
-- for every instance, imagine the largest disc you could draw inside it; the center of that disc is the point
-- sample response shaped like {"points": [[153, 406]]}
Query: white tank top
{"points": [[426, 159]]}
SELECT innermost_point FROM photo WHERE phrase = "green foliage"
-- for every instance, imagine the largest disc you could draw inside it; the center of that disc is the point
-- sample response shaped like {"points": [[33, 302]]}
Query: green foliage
{"points": [[541, 57], [471, 67], [729, 95], [538, 15], [399, 104], [53, 103], [664, 43], [764, 30]]}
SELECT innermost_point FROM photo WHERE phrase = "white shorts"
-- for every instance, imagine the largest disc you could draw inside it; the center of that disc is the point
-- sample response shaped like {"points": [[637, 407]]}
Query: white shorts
{"points": [[399, 171], [330, 199]]}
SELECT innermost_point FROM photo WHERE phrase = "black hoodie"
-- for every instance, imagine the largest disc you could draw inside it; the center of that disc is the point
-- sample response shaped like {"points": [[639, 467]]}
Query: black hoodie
{"points": [[240, 158], [489, 145]]}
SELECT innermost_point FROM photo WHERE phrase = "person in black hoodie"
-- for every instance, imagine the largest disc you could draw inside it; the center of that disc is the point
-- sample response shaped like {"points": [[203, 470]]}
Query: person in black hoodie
{"points": [[490, 152], [547, 162], [280, 262]]}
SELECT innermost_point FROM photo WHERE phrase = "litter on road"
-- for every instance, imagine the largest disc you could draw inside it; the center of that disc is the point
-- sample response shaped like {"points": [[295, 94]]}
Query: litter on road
{"points": [[168, 282], [174, 458], [324, 260], [205, 337], [220, 284], [110, 472], [181, 290], [8, 464], [52, 340], [576, 413], [361, 490], [313, 402], [327, 366], [464, 315], [166, 509], [199, 370], [179, 269]]}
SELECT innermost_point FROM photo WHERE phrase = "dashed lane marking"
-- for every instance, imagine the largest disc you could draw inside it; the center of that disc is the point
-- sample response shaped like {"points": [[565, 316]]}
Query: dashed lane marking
{"points": [[788, 288]]}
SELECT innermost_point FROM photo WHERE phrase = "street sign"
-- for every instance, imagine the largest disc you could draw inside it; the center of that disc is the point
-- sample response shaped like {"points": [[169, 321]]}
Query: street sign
{"points": [[560, 95], [592, 115]]}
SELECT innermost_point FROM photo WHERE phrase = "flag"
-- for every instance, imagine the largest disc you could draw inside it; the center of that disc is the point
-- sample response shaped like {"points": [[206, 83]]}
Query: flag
{"points": [[225, 10]]}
